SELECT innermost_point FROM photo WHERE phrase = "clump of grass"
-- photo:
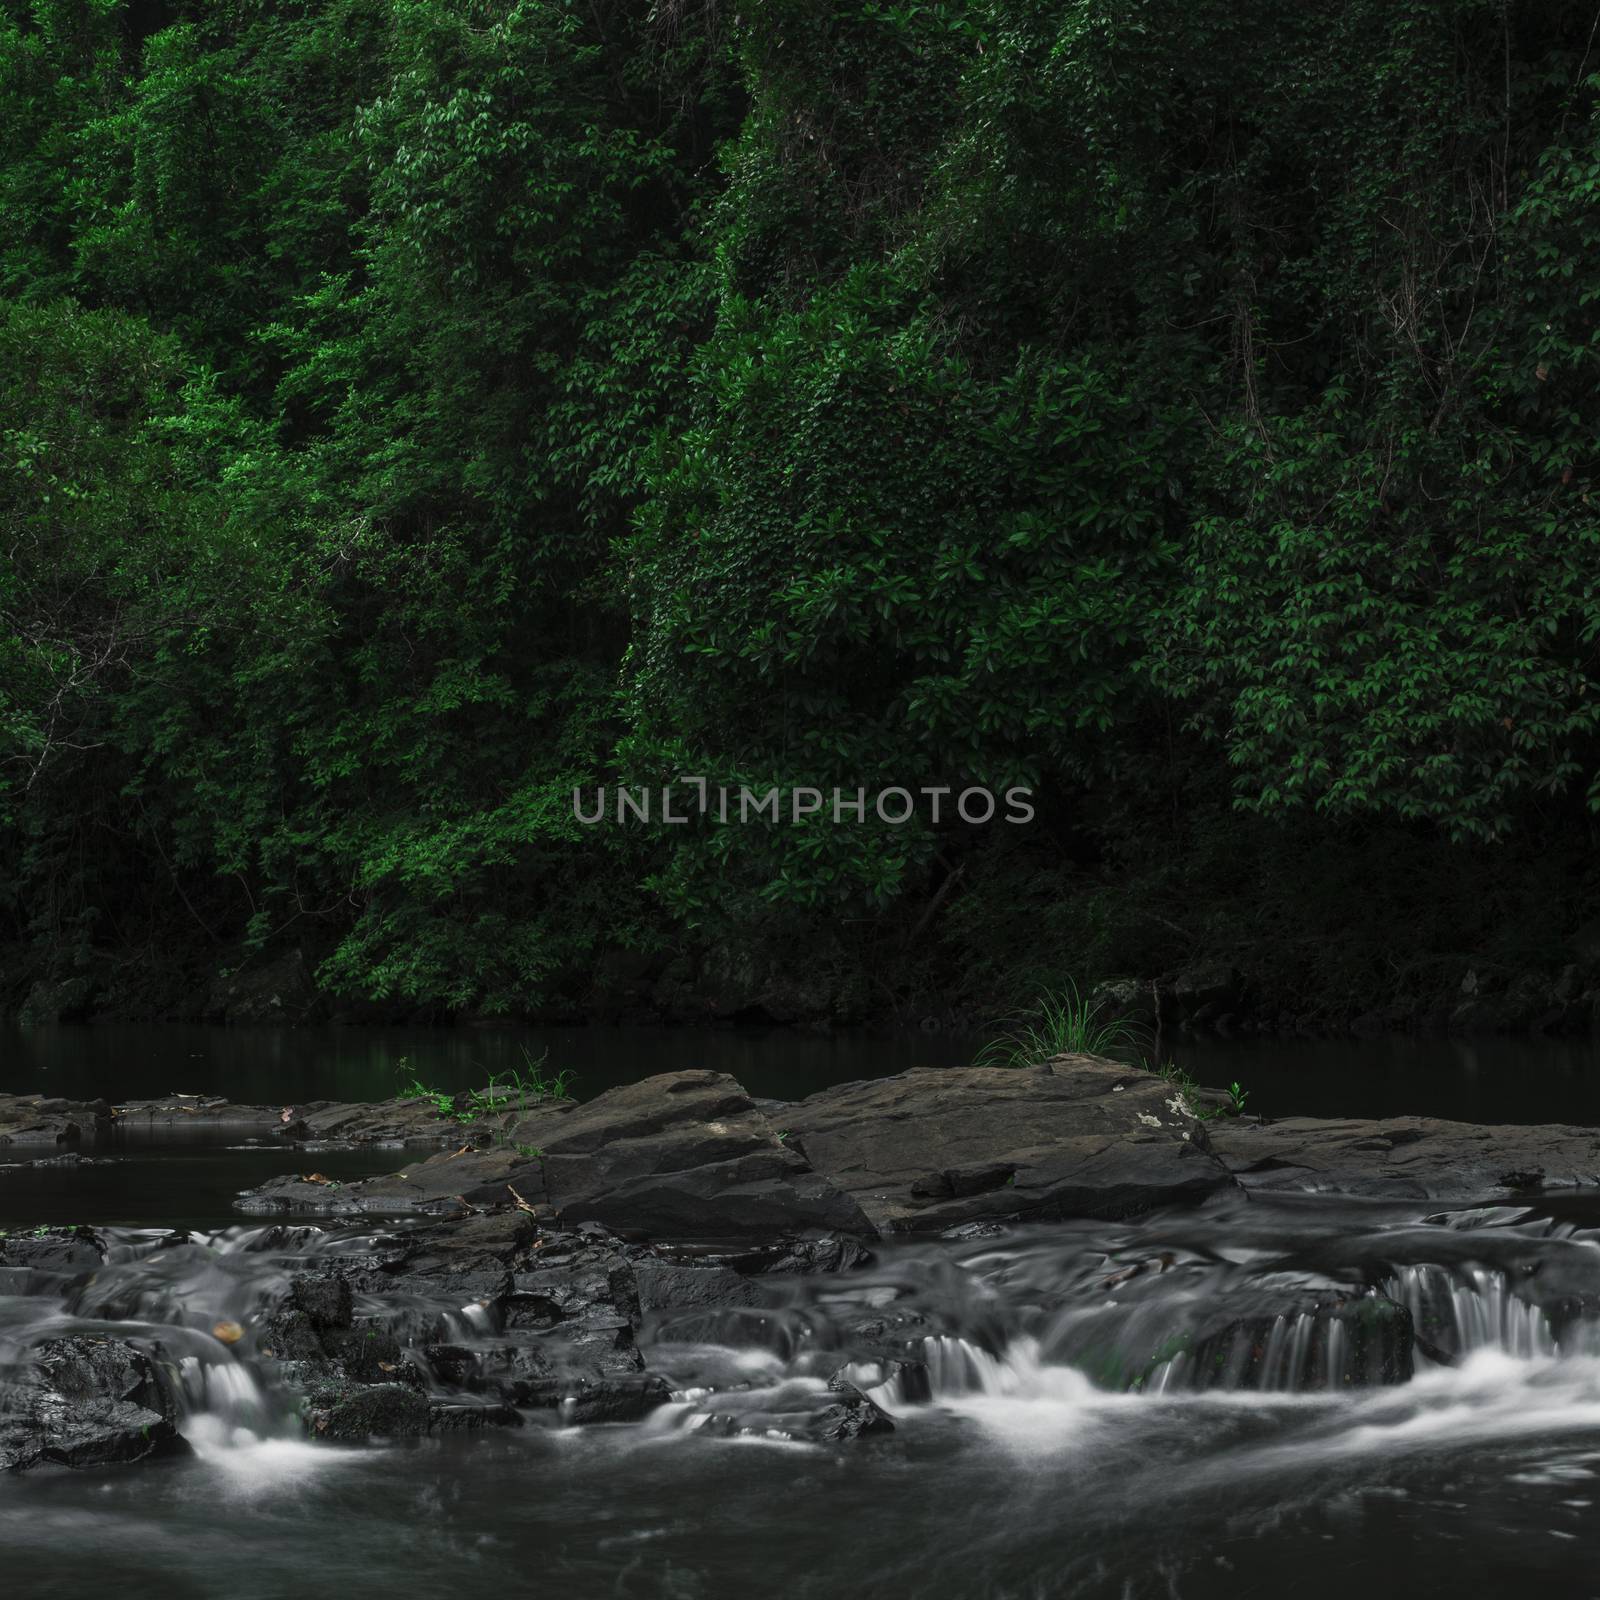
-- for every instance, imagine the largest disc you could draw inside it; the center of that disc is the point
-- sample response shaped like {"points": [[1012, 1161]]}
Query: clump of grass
{"points": [[516, 1090], [1062, 1023], [1065, 1023]]}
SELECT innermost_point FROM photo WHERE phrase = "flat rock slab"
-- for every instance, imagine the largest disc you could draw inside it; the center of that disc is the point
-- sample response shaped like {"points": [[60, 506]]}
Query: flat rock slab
{"points": [[683, 1155], [454, 1181], [195, 1113], [415, 1123], [1416, 1158], [1078, 1137], [37, 1119]]}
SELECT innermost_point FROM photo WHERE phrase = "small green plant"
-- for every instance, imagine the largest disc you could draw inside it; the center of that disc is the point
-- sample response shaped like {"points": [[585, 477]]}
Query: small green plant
{"points": [[510, 1094], [527, 1085], [1189, 1092], [1063, 1022]]}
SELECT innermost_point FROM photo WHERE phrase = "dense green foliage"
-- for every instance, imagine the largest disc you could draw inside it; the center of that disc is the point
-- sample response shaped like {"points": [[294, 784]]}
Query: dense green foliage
{"points": [[411, 410]]}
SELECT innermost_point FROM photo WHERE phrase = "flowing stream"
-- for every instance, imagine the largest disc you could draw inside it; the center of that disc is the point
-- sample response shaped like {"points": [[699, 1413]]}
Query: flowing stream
{"points": [[1260, 1397], [1220, 1402]]}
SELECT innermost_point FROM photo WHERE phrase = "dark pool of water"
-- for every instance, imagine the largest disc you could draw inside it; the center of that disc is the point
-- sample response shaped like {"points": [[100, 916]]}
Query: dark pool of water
{"points": [[1491, 1080], [1193, 1501], [271, 1065], [169, 1183]]}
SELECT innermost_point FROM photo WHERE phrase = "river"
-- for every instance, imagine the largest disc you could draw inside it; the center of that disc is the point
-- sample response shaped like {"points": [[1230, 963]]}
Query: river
{"points": [[1065, 1446]]}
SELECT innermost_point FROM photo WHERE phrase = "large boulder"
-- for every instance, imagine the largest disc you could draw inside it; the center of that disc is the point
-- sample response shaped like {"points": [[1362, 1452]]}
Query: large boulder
{"points": [[84, 1401], [1077, 1137], [682, 1155], [279, 989], [1418, 1158]]}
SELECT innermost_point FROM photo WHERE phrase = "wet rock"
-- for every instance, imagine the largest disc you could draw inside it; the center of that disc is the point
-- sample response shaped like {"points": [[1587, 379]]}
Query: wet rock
{"points": [[907, 1380], [1408, 1157], [689, 1156], [84, 1401], [66, 1251], [299, 1195], [69, 1159], [965, 1232], [851, 1416], [837, 1414], [929, 1149], [323, 1297], [805, 1257], [1353, 1340], [467, 1416], [479, 1315], [674, 1286], [1284, 1330], [380, 1410]]}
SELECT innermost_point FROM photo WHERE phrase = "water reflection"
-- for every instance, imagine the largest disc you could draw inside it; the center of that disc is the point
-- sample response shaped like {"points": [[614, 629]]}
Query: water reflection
{"points": [[1481, 1080]]}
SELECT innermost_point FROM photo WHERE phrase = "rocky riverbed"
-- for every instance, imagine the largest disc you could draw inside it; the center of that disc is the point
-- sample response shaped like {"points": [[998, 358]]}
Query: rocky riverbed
{"points": [[562, 1264]]}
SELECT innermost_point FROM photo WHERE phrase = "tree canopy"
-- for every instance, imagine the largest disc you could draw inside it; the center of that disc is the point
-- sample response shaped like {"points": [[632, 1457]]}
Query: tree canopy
{"points": [[414, 410]]}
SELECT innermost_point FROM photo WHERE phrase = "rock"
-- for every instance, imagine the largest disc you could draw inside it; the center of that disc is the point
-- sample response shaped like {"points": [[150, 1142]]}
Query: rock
{"points": [[298, 1195], [36, 1119], [493, 1311], [673, 1286], [64, 1251], [1351, 1339], [837, 1414], [68, 1159], [455, 1181], [1204, 984], [1407, 1157], [1130, 999], [54, 1000], [83, 1401], [380, 1410], [684, 1155], [908, 1381], [851, 1416], [1080, 1137], [196, 1113], [324, 1299], [410, 1121], [278, 990]]}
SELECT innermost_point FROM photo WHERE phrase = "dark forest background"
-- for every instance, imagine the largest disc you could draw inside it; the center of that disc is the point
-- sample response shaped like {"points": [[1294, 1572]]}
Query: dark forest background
{"points": [[413, 409]]}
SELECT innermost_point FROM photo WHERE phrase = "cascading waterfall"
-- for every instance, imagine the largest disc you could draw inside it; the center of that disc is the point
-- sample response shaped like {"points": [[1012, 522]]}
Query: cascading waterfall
{"points": [[1048, 1315], [1471, 1309]]}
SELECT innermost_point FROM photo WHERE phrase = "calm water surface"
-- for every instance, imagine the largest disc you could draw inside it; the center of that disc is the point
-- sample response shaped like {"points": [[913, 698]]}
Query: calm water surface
{"points": [[1490, 1080]]}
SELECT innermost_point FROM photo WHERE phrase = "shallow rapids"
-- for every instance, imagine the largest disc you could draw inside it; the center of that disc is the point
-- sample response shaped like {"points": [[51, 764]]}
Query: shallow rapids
{"points": [[1247, 1399]]}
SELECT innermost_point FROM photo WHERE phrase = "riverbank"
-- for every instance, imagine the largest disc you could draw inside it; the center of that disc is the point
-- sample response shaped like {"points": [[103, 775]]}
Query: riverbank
{"points": [[691, 1155]]}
